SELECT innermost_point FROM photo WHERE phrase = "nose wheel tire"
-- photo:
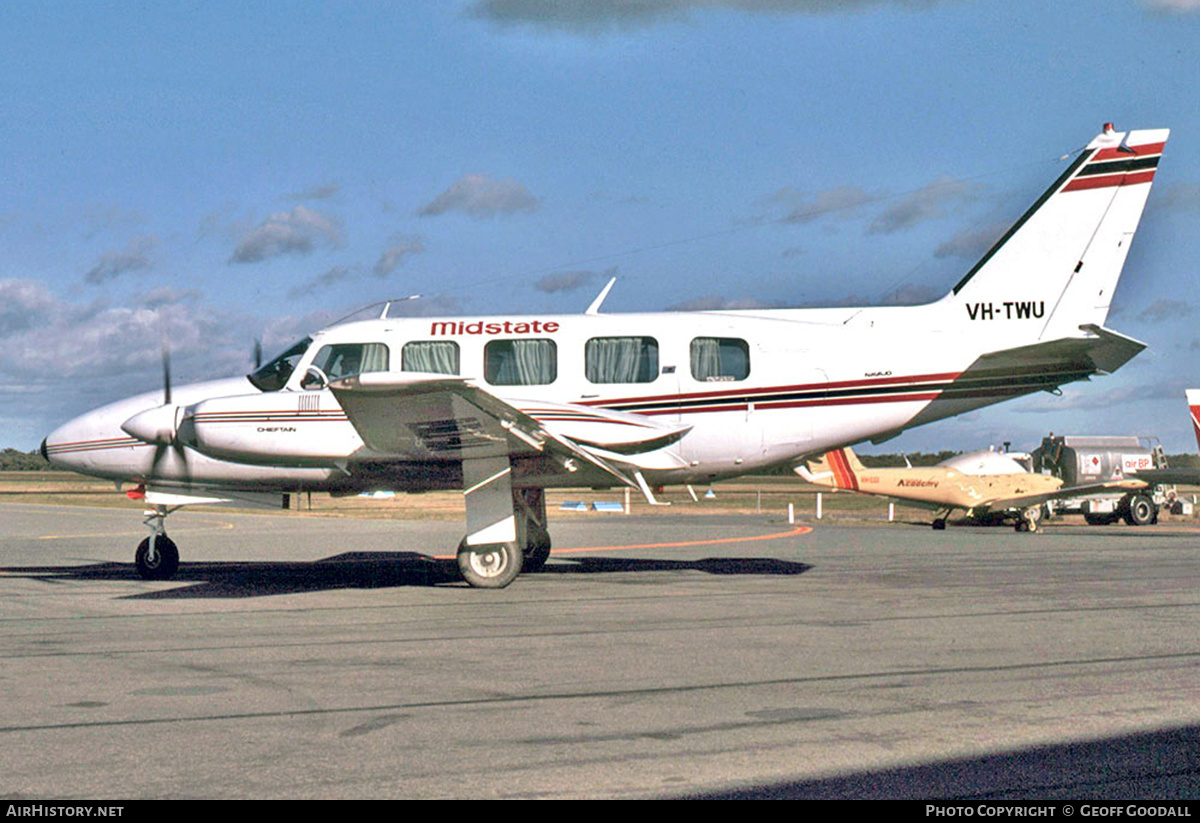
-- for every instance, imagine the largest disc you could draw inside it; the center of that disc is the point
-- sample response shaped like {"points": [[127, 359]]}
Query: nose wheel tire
{"points": [[489, 566], [159, 564]]}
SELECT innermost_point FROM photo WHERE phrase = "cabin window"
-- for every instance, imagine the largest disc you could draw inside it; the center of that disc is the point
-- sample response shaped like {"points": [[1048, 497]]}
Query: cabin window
{"points": [[520, 362], [621, 359], [433, 356], [716, 359], [346, 359]]}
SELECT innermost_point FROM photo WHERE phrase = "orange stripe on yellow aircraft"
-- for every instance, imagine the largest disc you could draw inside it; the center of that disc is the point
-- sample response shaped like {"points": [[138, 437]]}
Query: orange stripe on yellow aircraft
{"points": [[989, 486]]}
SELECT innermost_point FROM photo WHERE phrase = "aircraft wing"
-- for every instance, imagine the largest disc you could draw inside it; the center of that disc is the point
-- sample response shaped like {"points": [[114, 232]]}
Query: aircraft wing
{"points": [[1064, 492], [1169, 476], [417, 416]]}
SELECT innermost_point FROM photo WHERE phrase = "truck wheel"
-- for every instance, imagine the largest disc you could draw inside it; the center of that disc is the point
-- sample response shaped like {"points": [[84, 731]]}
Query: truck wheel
{"points": [[1141, 511]]}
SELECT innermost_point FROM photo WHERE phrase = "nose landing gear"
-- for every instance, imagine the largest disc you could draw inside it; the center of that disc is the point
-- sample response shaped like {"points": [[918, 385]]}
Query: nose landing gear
{"points": [[157, 557]]}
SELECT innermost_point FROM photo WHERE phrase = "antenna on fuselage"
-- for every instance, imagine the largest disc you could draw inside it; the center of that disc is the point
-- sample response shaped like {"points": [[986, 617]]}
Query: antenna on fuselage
{"points": [[388, 305], [595, 307]]}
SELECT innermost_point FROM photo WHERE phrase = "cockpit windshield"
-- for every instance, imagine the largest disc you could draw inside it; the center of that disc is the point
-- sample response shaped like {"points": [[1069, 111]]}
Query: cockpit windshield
{"points": [[274, 375]]}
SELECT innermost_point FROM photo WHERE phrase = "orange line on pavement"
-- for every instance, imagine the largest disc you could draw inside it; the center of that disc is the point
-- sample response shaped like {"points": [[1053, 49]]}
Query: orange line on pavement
{"points": [[793, 533]]}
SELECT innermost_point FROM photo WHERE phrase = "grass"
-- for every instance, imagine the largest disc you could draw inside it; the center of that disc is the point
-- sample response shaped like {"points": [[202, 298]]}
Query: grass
{"points": [[746, 495]]}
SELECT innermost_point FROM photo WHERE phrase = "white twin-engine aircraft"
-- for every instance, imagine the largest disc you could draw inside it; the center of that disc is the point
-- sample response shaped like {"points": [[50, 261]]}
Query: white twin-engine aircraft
{"points": [[506, 407]]}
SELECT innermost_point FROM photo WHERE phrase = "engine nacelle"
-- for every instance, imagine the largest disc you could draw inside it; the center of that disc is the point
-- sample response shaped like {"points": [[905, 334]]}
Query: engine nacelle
{"points": [[290, 428]]}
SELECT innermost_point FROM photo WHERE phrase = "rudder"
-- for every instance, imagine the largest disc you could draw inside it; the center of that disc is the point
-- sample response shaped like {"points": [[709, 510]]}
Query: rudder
{"points": [[1056, 268]]}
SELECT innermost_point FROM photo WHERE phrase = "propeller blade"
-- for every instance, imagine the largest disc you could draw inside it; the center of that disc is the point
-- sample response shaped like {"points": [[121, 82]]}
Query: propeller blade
{"points": [[166, 361], [257, 353]]}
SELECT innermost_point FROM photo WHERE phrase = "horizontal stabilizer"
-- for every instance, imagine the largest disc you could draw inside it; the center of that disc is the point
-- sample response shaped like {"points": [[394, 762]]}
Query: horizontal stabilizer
{"points": [[1103, 352]]}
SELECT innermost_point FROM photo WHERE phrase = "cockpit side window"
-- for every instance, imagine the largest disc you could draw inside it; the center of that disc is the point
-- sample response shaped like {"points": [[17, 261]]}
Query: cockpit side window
{"points": [[347, 359], [274, 375]]}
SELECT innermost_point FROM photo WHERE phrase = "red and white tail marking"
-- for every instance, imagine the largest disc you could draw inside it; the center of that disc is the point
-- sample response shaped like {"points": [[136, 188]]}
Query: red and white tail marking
{"points": [[843, 474], [1193, 401]]}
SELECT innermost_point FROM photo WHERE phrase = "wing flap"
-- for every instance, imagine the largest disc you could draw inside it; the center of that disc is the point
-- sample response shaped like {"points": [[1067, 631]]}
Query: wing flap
{"points": [[434, 417]]}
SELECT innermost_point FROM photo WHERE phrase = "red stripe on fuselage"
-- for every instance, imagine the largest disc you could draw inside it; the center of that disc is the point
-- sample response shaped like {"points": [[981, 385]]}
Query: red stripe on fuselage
{"points": [[735, 390]]}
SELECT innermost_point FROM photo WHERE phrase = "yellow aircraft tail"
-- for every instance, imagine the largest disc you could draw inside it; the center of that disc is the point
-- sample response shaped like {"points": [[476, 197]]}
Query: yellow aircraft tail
{"points": [[838, 468]]}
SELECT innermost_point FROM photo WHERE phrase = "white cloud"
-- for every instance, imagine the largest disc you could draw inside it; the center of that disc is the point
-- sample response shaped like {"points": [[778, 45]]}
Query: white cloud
{"points": [[1165, 310], [393, 257], [113, 264], [843, 201], [298, 231], [23, 305], [331, 277], [481, 197], [715, 302], [1173, 6], [926, 203], [972, 243], [600, 16], [561, 281]]}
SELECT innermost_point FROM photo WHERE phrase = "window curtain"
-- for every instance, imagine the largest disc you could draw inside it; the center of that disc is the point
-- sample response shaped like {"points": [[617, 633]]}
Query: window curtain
{"points": [[521, 362], [706, 358], [433, 356], [621, 359], [374, 357]]}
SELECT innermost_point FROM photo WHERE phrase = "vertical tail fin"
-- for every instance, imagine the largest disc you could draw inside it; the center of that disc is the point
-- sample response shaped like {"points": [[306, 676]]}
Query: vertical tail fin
{"points": [[838, 468], [1193, 401], [1057, 267]]}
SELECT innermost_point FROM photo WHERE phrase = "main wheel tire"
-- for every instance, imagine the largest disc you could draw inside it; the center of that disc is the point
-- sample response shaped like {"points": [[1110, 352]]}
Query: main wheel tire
{"points": [[165, 562], [489, 566], [537, 552], [1141, 511], [535, 558]]}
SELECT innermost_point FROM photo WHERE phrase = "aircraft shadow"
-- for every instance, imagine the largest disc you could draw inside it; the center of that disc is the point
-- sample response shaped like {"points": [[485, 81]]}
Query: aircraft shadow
{"points": [[711, 565], [1150, 765], [365, 570]]}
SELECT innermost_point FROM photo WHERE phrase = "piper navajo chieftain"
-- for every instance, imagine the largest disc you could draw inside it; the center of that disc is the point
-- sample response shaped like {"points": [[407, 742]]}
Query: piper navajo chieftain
{"points": [[989, 486], [505, 407]]}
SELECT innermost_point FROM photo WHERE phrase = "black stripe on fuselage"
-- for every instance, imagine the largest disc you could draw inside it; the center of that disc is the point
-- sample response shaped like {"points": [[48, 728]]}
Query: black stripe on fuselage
{"points": [[993, 383]]}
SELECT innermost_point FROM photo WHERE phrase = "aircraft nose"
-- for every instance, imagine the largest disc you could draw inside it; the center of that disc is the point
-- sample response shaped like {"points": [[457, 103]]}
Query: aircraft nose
{"points": [[66, 446]]}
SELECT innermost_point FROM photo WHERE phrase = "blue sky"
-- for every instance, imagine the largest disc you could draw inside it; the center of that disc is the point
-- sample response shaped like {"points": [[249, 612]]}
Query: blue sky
{"points": [[216, 172]]}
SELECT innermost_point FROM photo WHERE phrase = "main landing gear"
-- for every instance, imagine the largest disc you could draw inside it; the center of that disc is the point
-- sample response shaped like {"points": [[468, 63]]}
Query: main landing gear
{"points": [[1030, 519], [495, 565]]}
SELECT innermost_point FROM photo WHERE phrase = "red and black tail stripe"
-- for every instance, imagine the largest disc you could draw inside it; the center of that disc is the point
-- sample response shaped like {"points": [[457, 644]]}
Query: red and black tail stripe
{"points": [[1122, 166]]}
